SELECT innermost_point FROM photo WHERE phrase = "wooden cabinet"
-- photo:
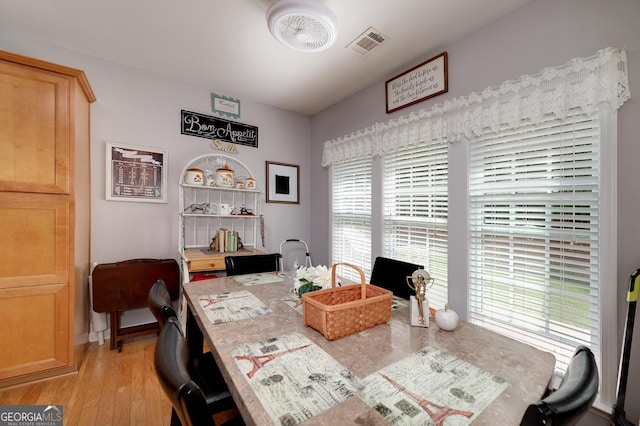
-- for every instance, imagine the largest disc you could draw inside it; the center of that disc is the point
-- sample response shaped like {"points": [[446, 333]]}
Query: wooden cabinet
{"points": [[44, 217], [202, 214]]}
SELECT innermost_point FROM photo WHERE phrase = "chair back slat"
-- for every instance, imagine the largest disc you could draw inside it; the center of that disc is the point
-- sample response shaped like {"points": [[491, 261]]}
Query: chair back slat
{"points": [[392, 275], [172, 368], [159, 301], [251, 264], [575, 395]]}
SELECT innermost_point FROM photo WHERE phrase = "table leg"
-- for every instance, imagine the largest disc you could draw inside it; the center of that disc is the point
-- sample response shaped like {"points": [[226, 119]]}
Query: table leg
{"points": [[113, 316], [195, 340]]}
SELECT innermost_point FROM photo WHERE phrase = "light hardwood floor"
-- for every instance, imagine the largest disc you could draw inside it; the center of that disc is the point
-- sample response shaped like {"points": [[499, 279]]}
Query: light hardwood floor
{"points": [[110, 388]]}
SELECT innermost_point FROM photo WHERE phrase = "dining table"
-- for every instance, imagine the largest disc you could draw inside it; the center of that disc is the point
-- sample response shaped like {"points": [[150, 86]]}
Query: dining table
{"points": [[280, 371]]}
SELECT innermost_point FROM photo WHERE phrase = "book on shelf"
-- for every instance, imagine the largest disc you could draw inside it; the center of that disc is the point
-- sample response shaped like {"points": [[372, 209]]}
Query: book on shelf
{"points": [[227, 241]]}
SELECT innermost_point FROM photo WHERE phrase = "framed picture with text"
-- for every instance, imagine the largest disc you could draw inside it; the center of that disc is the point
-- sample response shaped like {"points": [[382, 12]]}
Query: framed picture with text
{"points": [[424, 81], [136, 174], [283, 183]]}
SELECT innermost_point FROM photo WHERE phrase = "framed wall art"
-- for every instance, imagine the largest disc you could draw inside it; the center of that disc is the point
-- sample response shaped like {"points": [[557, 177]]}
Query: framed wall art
{"points": [[283, 183], [225, 105], [136, 174], [421, 82]]}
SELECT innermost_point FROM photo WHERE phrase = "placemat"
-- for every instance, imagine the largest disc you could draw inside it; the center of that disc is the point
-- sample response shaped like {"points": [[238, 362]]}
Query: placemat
{"points": [[431, 387], [398, 302], [259, 278], [293, 378], [232, 306], [294, 302]]}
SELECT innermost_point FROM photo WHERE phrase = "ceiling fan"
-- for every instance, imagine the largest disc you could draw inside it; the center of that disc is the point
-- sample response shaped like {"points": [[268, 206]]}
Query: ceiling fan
{"points": [[303, 25]]}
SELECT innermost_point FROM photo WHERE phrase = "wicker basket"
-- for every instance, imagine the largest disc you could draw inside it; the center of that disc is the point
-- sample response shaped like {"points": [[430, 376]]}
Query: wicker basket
{"points": [[339, 311]]}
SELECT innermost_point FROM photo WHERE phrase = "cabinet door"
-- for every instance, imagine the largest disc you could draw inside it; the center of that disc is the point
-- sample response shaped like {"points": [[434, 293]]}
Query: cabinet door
{"points": [[35, 272], [34, 130], [35, 324]]}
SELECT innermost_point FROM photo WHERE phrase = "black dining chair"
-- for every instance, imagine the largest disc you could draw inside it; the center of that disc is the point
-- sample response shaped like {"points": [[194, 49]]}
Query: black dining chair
{"points": [[159, 301], [392, 275], [251, 264], [574, 396], [160, 305], [196, 392]]}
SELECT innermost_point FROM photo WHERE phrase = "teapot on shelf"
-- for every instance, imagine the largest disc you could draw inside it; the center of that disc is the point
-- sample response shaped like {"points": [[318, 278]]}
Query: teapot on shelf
{"points": [[224, 175], [250, 183], [246, 182], [224, 178], [194, 176]]}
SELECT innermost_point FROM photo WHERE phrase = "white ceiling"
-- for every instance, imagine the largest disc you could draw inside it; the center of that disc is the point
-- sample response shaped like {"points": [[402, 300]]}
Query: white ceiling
{"points": [[225, 45]]}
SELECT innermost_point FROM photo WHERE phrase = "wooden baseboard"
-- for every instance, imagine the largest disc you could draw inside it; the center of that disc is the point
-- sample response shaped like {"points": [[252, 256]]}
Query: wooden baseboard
{"points": [[37, 377]]}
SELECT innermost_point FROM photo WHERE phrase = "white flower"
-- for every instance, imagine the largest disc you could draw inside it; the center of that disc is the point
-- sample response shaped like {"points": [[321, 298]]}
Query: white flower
{"points": [[304, 273], [323, 276], [316, 277]]}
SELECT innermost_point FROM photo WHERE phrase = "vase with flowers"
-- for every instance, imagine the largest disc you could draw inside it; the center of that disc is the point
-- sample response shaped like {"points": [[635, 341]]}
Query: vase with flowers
{"points": [[311, 278]]}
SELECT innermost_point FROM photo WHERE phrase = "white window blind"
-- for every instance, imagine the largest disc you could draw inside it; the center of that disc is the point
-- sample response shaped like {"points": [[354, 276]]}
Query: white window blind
{"points": [[416, 195], [351, 215], [542, 210], [534, 233]]}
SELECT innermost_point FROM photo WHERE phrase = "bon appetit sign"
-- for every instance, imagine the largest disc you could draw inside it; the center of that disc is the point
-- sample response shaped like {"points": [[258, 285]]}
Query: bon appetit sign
{"points": [[206, 126]]}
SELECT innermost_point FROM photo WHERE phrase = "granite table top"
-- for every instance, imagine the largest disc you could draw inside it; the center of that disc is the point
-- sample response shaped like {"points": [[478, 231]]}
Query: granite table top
{"points": [[521, 372]]}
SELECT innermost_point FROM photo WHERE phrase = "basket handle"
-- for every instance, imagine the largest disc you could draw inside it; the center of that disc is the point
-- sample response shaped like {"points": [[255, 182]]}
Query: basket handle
{"points": [[363, 284]]}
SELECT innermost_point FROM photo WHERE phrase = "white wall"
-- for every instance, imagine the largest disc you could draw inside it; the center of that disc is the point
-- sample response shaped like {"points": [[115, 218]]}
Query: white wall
{"points": [[542, 33], [138, 108]]}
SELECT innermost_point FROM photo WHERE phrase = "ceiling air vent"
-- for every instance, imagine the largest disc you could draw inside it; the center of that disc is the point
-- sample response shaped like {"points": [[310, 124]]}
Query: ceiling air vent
{"points": [[368, 41]]}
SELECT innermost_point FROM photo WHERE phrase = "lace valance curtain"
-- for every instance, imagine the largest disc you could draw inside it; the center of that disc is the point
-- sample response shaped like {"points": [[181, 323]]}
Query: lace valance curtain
{"points": [[581, 83]]}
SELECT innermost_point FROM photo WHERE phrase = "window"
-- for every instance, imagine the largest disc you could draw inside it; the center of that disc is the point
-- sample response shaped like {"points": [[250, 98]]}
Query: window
{"points": [[351, 215], [534, 233], [416, 209], [540, 221]]}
